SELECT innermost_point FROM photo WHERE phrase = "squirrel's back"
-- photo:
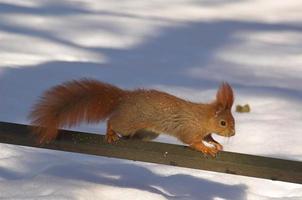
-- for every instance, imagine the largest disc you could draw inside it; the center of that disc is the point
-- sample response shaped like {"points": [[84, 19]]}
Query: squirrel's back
{"points": [[155, 111]]}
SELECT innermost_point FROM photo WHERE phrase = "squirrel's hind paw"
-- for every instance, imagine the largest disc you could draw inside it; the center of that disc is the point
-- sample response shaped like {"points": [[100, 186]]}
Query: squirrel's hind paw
{"points": [[111, 136]]}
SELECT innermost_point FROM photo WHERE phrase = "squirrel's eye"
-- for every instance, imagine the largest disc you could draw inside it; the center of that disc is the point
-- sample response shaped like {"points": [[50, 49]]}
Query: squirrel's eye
{"points": [[222, 123]]}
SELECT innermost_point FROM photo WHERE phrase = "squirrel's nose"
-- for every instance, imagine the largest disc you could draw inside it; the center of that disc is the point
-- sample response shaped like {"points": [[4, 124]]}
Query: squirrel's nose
{"points": [[232, 133]]}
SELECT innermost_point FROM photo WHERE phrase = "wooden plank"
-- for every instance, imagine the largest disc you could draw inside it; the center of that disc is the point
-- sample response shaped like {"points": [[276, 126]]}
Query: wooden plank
{"points": [[161, 153]]}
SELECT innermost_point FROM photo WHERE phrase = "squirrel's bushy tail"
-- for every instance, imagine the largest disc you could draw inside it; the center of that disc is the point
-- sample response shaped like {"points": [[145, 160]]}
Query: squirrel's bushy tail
{"points": [[73, 102]]}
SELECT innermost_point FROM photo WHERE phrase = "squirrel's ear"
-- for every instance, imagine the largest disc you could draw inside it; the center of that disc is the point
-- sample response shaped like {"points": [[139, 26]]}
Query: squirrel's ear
{"points": [[224, 96]]}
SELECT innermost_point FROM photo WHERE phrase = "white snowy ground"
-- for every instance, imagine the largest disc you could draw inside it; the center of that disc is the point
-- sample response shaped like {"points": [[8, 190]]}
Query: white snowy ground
{"points": [[183, 47]]}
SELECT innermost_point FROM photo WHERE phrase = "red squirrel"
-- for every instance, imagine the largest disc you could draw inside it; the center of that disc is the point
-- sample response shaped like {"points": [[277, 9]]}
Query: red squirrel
{"points": [[141, 114]]}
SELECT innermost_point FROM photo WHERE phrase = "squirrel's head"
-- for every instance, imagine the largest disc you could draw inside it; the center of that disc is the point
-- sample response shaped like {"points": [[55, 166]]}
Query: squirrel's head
{"points": [[221, 120]]}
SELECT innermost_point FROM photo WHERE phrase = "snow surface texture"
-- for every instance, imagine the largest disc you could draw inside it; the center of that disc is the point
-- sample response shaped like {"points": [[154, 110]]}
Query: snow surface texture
{"points": [[183, 47]]}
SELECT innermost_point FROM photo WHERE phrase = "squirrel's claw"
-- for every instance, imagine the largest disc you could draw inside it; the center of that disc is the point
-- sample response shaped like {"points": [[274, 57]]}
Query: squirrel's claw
{"points": [[218, 146]]}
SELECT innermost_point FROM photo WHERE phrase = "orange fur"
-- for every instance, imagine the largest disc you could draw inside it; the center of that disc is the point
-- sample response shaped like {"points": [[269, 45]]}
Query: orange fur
{"points": [[140, 113], [69, 104], [225, 96]]}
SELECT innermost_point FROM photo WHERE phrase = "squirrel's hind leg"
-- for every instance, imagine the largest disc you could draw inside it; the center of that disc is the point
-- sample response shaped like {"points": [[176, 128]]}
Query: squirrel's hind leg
{"points": [[111, 135]]}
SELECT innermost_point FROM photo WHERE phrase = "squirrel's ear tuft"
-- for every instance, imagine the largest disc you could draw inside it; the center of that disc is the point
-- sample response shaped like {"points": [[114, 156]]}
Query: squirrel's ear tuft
{"points": [[224, 96]]}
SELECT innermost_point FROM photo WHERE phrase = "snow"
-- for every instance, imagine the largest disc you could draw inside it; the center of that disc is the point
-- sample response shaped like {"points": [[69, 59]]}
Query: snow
{"points": [[183, 47]]}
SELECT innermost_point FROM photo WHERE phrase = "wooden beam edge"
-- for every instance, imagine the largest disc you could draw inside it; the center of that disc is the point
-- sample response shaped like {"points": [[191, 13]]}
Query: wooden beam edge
{"points": [[161, 153]]}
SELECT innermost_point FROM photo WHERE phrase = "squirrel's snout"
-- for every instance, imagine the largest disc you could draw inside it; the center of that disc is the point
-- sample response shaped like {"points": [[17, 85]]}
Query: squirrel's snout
{"points": [[232, 133]]}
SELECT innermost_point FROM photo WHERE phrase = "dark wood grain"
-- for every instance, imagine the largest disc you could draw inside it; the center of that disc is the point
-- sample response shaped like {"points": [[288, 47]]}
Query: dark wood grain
{"points": [[161, 153]]}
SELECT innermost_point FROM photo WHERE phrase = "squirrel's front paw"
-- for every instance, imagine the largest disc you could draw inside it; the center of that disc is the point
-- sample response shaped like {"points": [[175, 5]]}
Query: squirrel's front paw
{"points": [[212, 151]]}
